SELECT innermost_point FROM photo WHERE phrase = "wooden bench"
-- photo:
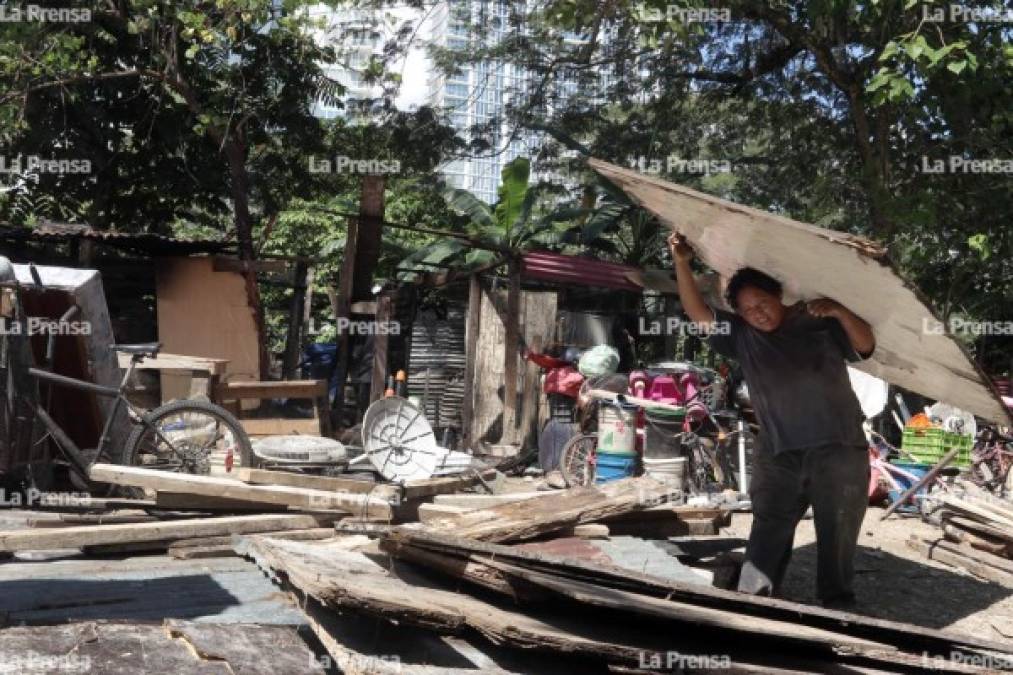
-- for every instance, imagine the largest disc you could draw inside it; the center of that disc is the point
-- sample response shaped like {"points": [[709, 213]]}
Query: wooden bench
{"points": [[229, 394]]}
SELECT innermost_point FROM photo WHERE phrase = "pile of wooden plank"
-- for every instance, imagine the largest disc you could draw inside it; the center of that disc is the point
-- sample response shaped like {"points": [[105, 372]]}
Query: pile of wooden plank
{"points": [[195, 516], [451, 580], [977, 535]]}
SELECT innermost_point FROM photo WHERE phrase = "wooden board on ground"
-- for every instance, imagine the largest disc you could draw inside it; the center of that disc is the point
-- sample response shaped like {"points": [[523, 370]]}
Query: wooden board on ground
{"points": [[89, 535], [913, 637], [814, 262], [212, 486], [556, 510], [178, 647], [334, 483]]}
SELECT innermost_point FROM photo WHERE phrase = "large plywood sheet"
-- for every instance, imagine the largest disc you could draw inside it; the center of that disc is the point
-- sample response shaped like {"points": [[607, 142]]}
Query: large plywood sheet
{"points": [[537, 319], [205, 313], [814, 262]]}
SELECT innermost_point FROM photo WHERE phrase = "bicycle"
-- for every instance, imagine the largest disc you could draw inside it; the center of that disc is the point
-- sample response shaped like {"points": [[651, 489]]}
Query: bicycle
{"points": [[180, 436], [991, 460]]}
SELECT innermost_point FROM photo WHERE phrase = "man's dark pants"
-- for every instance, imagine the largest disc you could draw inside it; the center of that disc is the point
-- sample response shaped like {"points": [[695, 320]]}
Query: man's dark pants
{"points": [[835, 481]]}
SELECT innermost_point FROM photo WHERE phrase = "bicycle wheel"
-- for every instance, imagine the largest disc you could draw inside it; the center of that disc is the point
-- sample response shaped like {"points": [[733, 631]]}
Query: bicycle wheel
{"points": [[189, 437], [576, 461]]}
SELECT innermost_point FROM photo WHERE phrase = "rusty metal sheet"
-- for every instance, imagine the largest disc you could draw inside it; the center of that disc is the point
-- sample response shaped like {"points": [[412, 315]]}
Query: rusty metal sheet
{"points": [[912, 351]]}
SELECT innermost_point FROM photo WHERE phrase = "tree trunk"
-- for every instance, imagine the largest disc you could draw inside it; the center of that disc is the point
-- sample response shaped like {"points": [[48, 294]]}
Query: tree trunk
{"points": [[235, 150]]}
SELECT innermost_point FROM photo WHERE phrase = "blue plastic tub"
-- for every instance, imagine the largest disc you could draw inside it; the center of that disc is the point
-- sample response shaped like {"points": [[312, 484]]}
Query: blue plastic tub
{"points": [[916, 470], [609, 467]]}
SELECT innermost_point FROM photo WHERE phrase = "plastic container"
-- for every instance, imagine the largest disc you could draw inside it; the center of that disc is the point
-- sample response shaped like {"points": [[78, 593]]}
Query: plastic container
{"points": [[929, 444], [609, 467], [661, 433], [671, 471], [617, 429], [916, 470], [663, 389]]}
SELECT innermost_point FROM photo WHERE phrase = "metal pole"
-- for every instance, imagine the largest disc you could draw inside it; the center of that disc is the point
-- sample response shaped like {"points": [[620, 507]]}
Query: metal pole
{"points": [[743, 480]]}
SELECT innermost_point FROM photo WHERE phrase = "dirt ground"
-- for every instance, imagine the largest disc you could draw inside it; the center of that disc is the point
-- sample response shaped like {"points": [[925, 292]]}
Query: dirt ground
{"points": [[895, 582]]}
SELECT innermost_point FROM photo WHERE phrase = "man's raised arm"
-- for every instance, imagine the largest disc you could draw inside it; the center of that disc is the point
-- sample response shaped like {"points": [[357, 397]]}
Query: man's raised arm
{"points": [[689, 293]]}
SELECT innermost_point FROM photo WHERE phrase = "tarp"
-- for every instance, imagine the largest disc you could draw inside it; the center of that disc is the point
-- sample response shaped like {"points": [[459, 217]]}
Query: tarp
{"points": [[911, 349]]}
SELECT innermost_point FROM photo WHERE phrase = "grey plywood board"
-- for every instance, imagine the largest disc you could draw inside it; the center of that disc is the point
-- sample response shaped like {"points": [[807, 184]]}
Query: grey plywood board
{"points": [[814, 262]]}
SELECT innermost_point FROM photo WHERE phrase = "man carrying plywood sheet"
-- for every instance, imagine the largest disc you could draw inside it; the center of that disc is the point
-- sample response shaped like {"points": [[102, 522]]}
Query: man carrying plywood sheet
{"points": [[812, 449]]}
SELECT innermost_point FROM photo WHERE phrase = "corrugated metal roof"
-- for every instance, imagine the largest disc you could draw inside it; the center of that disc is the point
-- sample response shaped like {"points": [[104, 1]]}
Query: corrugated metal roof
{"points": [[143, 241], [572, 270]]}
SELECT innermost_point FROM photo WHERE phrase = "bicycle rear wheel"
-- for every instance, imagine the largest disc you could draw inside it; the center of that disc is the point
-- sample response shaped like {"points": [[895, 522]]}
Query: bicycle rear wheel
{"points": [[189, 437], [576, 461]]}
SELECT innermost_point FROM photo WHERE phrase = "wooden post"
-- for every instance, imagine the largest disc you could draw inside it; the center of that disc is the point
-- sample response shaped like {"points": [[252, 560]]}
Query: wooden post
{"points": [[362, 250], [293, 340], [510, 353], [470, 342], [384, 310]]}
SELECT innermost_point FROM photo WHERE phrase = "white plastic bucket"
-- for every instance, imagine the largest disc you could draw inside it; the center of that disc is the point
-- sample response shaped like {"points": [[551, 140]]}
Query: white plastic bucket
{"points": [[672, 471], [617, 429]]}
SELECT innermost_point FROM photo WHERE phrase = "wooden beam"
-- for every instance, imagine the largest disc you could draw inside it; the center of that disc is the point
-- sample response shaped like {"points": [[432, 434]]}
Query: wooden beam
{"points": [[278, 426], [384, 311], [177, 362], [230, 391], [301, 480], [90, 535], [233, 489], [185, 501], [511, 349], [471, 328], [293, 337], [556, 510]]}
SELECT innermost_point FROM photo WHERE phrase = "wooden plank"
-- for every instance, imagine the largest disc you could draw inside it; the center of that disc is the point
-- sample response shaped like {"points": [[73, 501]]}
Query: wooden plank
{"points": [[301, 480], [556, 510], [968, 551], [427, 487], [211, 486], [471, 326], [814, 262], [292, 535], [177, 362], [472, 501], [277, 426], [90, 535], [380, 340], [185, 501], [195, 552], [960, 561], [981, 528], [227, 391], [914, 637]]}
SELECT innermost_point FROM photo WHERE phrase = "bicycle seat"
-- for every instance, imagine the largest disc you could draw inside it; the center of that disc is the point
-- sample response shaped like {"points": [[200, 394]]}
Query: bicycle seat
{"points": [[150, 349]]}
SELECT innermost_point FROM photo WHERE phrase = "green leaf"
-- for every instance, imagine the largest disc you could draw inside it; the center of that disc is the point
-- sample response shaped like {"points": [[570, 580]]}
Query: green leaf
{"points": [[464, 202], [979, 244], [956, 67], [512, 192]]}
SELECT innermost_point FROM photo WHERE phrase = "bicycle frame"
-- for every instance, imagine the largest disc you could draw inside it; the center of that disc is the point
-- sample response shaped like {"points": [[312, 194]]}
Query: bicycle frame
{"points": [[59, 435]]}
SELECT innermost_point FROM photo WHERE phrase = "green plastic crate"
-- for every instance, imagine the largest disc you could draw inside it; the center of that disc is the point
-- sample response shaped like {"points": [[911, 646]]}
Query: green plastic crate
{"points": [[928, 445]]}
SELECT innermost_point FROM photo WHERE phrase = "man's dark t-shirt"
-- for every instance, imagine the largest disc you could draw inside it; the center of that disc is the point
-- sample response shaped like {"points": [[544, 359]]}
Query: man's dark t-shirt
{"points": [[798, 379]]}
